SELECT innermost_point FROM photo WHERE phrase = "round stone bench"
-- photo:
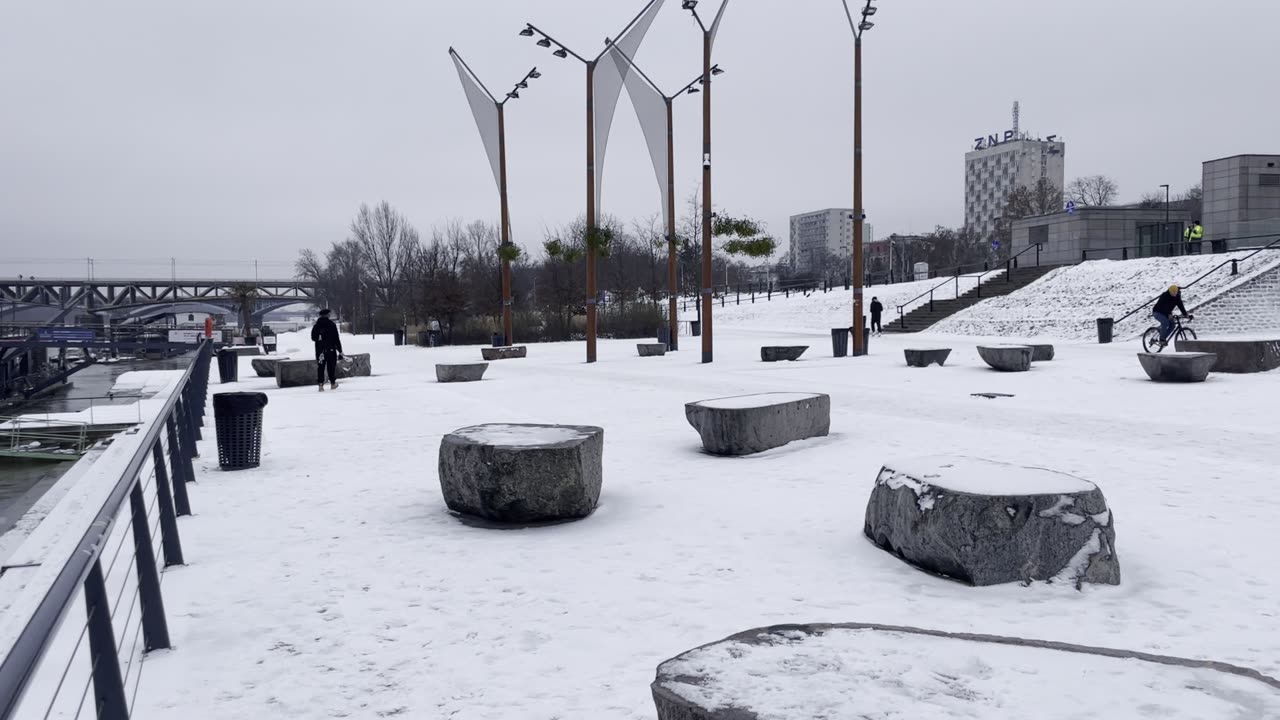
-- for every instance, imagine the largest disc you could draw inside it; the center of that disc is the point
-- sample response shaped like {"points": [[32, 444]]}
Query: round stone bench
{"points": [[265, 366], [859, 670], [522, 473], [986, 523], [924, 357], [754, 423], [652, 349], [461, 372], [1237, 355], [782, 353], [1177, 367], [1007, 358], [504, 353]]}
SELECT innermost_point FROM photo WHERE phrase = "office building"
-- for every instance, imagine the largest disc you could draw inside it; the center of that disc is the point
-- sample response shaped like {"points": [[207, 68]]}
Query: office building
{"points": [[1241, 201], [1000, 163], [821, 240]]}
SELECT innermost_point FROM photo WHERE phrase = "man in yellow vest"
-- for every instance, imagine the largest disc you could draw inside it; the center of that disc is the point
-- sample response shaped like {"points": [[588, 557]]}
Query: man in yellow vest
{"points": [[1193, 236]]}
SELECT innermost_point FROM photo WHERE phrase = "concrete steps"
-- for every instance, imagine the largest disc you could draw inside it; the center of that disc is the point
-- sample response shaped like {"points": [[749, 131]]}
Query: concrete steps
{"points": [[926, 316]]}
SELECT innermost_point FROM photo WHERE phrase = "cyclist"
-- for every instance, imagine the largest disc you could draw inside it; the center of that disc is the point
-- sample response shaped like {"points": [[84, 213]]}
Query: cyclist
{"points": [[1163, 312]]}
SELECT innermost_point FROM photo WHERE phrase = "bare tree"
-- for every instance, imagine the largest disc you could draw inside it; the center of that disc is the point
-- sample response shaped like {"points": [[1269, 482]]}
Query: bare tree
{"points": [[1093, 191], [1152, 200], [1041, 199], [388, 243]]}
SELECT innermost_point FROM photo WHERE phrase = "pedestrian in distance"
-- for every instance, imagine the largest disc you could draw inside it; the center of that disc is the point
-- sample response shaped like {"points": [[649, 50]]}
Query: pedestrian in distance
{"points": [[876, 310], [328, 349]]}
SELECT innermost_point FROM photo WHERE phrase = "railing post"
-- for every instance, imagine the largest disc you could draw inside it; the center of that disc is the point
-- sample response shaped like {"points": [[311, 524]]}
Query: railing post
{"points": [[1235, 267], [178, 469], [1008, 270], [1124, 253], [185, 426], [108, 685], [902, 319], [930, 301], [1038, 247], [155, 630], [169, 539], [1084, 256]]}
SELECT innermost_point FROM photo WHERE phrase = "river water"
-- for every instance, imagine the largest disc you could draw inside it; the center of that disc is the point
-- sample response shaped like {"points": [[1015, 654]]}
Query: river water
{"points": [[22, 481]]}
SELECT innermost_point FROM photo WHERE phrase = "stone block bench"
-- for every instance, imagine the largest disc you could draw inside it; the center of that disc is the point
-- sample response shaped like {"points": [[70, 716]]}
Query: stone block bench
{"points": [[244, 350], [504, 353], [924, 357], [461, 372], [782, 353], [1041, 353], [652, 349], [266, 367], [1177, 367], [754, 423], [1237, 355], [1007, 358], [299, 373], [986, 523], [522, 473], [860, 670]]}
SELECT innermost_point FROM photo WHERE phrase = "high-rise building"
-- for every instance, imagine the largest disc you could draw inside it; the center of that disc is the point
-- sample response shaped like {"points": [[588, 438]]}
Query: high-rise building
{"points": [[1000, 163], [823, 238]]}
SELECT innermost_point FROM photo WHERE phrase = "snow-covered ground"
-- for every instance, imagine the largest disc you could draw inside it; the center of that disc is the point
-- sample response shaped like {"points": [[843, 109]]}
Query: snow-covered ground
{"points": [[1066, 303], [332, 582], [819, 311]]}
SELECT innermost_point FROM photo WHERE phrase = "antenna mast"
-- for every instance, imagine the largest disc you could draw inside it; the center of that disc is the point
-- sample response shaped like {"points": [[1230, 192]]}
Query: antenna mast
{"points": [[1016, 135]]}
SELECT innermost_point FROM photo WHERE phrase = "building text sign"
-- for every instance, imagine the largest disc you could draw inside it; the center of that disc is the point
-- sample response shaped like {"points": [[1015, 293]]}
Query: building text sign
{"points": [[982, 143]]}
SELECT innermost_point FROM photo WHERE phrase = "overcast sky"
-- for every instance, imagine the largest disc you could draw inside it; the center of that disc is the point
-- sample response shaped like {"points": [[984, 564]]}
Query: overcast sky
{"points": [[249, 129]]}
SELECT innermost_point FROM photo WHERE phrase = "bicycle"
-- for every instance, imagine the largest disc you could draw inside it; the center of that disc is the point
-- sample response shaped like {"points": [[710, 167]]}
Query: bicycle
{"points": [[1151, 338]]}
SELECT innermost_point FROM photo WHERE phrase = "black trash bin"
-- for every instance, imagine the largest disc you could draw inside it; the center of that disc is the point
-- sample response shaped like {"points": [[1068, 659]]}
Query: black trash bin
{"points": [[664, 336], [399, 337], [839, 342], [238, 419], [695, 328], [1106, 327], [866, 342], [228, 366], [498, 340]]}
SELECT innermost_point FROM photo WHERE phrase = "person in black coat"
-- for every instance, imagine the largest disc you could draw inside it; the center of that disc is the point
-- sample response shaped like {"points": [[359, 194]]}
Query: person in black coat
{"points": [[1163, 311], [876, 310], [328, 348]]}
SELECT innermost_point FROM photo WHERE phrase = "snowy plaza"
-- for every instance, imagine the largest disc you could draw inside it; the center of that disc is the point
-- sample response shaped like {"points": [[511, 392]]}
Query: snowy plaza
{"points": [[333, 582]]}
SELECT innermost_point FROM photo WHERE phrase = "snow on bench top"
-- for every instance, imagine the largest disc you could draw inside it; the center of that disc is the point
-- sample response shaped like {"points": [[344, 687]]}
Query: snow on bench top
{"points": [[977, 476], [851, 673], [743, 402], [522, 435]]}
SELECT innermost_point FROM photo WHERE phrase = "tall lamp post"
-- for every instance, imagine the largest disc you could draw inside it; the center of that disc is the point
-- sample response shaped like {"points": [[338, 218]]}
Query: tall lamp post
{"points": [[1165, 233], [859, 215], [493, 131], [666, 172], [592, 237], [708, 40]]}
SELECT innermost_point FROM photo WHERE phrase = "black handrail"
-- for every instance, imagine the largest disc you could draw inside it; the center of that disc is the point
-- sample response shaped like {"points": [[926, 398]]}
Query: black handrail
{"points": [[22, 660], [1233, 262], [1179, 244]]}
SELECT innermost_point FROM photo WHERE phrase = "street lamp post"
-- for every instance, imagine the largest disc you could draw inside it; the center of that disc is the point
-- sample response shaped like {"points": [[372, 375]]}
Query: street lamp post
{"points": [[562, 52], [859, 215], [708, 40], [669, 190], [465, 72], [1165, 234]]}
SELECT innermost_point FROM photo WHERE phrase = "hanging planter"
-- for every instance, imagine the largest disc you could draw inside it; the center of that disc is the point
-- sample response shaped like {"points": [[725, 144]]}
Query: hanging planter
{"points": [[509, 252], [600, 239]]}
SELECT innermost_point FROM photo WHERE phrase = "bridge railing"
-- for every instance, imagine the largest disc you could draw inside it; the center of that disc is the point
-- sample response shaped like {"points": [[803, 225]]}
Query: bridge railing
{"points": [[80, 600]]}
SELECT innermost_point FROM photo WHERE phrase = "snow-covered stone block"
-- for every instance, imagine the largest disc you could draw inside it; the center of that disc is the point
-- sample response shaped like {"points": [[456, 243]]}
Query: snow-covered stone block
{"points": [[754, 423], [297, 373], [504, 353], [266, 366], [985, 523], [782, 353], [1177, 367], [359, 365], [858, 670], [1041, 353], [1007, 358], [924, 357], [652, 349], [461, 372], [1237, 355], [522, 473]]}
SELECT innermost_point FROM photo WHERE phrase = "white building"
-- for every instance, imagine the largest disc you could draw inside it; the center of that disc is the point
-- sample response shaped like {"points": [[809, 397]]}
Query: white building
{"points": [[1000, 163], [823, 238]]}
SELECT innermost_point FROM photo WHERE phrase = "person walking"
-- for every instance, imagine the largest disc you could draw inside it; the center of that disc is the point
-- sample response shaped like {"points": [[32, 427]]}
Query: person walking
{"points": [[876, 310], [1163, 312], [328, 349], [1193, 237]]}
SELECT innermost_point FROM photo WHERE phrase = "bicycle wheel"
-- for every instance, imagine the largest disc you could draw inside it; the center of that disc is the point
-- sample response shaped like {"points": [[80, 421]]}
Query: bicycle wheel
{"points": [[1151, 340], [1186, 333]]}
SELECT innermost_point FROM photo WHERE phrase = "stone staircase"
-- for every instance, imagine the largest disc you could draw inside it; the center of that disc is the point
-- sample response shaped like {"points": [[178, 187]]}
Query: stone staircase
{"points": [[924, 317]]}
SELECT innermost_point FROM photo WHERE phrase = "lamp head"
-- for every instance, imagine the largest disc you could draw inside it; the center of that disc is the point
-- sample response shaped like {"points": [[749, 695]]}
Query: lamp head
{"points": [[526, 32]]}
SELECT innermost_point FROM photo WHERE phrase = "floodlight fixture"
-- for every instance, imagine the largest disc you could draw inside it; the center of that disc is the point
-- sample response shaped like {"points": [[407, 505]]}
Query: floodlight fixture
{"points": [[868, 11], [715, 70], [514, 95], [693, 90], [522, 85], [544, 43], [689, 5], [866, 25], [534, 74], [561, 53], [526, 32]]}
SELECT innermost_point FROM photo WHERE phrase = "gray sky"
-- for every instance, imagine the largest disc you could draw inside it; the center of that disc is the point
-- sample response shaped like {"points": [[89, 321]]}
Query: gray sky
{"points": [[248, 129]]}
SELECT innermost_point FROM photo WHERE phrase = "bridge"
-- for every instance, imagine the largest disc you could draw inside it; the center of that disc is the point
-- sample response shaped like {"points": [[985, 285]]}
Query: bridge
{"points": [[54, 300]]}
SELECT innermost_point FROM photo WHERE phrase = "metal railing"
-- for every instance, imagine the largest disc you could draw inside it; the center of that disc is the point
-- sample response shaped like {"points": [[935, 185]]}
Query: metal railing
{"points": [[1177, 248], [1234, 264], [44, 672], [1008, 267]]}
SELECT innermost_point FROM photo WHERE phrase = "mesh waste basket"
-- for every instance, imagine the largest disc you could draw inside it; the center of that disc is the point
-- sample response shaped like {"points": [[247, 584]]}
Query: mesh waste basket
{"points": [[238, 419], [228, 366]]}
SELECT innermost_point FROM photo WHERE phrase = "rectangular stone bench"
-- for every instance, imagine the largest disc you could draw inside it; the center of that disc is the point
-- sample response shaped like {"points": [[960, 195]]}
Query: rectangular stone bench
{"points": [[266, 367], [504, 353], [298, 373], [754, 423], [651, 349]]}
